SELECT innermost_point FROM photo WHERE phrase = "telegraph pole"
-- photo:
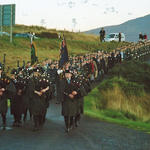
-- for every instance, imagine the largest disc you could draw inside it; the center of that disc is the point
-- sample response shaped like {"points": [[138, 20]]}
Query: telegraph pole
{"points": [[11, 21], [1, 17]]}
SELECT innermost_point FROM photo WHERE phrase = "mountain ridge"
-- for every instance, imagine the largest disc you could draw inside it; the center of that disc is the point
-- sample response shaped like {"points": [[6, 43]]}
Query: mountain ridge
{"points": [[131, 28]]}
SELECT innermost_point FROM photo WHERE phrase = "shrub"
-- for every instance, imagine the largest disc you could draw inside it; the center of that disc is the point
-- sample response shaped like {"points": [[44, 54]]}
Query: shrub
{"points": [[129, 88], [133, 71], [47, 35]]}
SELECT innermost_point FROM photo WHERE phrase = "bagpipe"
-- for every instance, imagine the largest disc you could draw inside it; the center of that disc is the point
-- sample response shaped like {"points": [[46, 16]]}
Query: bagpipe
{"points": [[4, 81]]}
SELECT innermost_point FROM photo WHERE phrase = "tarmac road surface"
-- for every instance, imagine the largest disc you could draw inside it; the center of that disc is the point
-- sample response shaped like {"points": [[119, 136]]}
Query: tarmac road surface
{"points": [[92, 134]]}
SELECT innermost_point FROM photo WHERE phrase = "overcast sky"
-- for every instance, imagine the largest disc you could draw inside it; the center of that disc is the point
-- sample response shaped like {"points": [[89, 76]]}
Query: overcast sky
{"points": [[78, 14]]}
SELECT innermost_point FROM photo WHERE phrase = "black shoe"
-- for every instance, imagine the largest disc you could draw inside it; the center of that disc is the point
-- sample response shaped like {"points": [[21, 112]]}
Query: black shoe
{"points": [[41, 125], [77, 124], [67, 130], [24, 120], [71, 127], [14, 124], [4, 126], [19, 124], [35, 129], [58, 103]]}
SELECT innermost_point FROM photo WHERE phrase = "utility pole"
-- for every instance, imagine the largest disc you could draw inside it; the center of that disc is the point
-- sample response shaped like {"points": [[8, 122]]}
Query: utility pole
{"points": [[1, 17], [11, 22]]}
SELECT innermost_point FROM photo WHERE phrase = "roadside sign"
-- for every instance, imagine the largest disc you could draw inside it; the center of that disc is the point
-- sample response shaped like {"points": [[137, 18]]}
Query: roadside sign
{"points": [[7, 17]]}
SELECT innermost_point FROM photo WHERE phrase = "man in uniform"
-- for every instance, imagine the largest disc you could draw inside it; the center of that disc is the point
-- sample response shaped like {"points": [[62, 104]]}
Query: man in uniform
{"points": [[17, 105], [69, 107], [7, 90], [79, 81], [38, 107]]}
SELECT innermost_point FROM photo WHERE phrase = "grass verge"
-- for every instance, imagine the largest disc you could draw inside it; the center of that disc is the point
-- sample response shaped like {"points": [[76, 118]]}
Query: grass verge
{"points": [[137, 125], [122, 101]]}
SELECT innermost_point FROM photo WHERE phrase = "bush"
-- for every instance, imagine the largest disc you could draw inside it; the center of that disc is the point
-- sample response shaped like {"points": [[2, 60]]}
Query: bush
{"points": [[133, 71], [47, 35], [129, 88]]}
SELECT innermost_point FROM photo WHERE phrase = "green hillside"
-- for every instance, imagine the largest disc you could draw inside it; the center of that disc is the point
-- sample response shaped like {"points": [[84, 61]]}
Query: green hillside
{"points": [[78, 43], [123, 97]]}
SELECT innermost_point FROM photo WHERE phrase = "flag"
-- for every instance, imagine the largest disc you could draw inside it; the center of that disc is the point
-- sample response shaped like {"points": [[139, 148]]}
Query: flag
{"points": [[63, 54], [33, 53]]}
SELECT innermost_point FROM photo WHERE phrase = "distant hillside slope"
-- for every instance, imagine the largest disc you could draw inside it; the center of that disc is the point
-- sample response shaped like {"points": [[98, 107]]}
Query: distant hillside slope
{"points": [[77, 43], [39, 29], [131, 28]]}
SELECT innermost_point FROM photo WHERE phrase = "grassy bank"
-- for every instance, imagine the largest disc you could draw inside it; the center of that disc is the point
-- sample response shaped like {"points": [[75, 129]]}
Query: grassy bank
{"points": [[78, 43], [123, 98], [112, 114]]}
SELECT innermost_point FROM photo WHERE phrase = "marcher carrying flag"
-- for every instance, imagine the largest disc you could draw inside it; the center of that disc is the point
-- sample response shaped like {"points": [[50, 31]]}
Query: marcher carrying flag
{"points": [[63, 53], [34, 57]]}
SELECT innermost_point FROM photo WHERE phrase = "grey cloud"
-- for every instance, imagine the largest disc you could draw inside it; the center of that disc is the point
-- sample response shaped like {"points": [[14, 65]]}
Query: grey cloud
{"points": [[85, 1], [74, 3], [94, 4], [110, 10], [71, 4], [61, 3], [130, 14], [67, 3]]}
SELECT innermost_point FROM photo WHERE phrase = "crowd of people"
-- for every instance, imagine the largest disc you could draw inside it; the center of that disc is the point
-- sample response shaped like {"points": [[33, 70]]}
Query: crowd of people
{"points": [[143, 37], [31, 88], [102, 33]]}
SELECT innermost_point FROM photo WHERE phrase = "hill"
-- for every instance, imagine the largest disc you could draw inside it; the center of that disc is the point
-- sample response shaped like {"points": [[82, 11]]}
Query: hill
{"points": [[123, 97], [131, 28], [78, 43]]}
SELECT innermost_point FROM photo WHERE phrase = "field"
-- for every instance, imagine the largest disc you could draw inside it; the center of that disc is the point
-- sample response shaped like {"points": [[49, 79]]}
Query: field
{"points": [[78, 43]]}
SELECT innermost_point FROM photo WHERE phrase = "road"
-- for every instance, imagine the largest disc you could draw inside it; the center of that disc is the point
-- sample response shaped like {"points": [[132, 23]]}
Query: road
{"points": [[92, 134]]}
